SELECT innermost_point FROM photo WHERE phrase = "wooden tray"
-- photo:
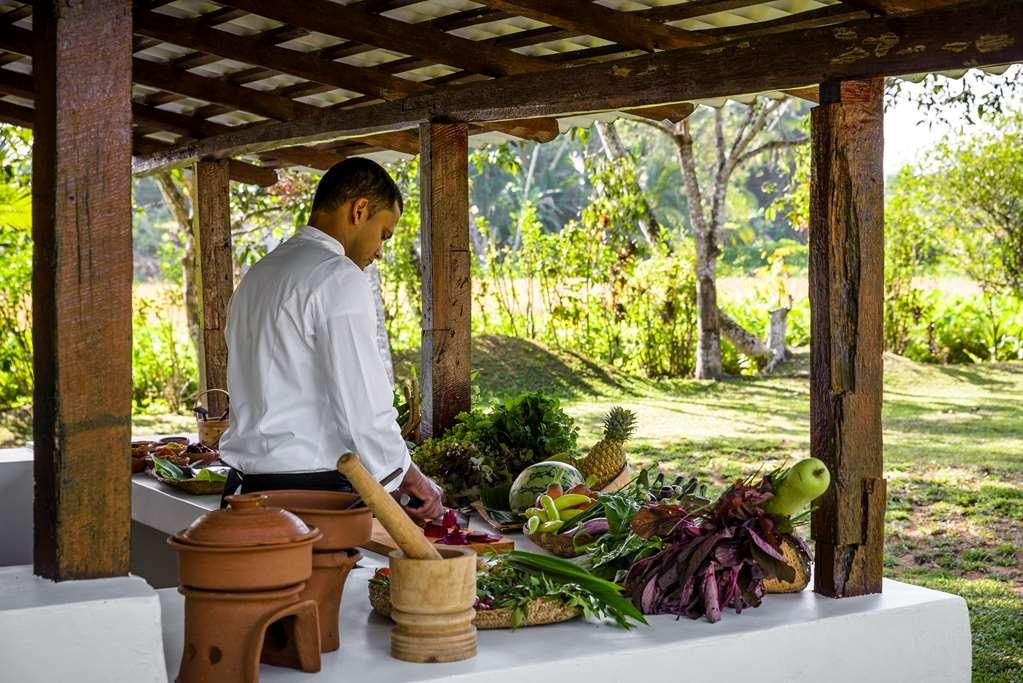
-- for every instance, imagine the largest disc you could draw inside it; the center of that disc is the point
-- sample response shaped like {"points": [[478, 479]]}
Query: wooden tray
{"points": [[381, 542]]}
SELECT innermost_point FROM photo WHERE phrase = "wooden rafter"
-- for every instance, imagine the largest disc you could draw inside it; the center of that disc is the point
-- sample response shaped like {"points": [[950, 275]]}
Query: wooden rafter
{"points": [[444, 48], [166, 77], [897, 6], [624, 28], [772, 62], [337, 20], [312, 66]]}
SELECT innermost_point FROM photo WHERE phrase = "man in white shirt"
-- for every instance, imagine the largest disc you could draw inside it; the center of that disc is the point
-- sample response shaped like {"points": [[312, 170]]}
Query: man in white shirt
{"points": [[306, 379]]}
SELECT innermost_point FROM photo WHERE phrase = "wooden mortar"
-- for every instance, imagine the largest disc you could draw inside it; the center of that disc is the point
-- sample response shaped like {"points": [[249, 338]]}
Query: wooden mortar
{"points": [[432, 591], [432, 606]]}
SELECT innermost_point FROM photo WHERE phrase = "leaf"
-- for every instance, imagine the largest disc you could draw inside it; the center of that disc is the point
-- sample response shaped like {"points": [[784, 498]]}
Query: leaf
{"points": [[657, 520]]}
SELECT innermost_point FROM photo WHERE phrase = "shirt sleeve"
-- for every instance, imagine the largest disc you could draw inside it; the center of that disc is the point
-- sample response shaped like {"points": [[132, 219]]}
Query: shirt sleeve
{"points": [[346, 340]]}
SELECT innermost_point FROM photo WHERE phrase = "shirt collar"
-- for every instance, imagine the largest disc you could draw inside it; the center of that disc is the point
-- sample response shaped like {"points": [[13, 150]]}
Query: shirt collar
{"points": [[310, 232]]}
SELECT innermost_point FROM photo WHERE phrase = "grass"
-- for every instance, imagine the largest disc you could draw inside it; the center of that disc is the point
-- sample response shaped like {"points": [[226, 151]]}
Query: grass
{"points": [[953, 439]]}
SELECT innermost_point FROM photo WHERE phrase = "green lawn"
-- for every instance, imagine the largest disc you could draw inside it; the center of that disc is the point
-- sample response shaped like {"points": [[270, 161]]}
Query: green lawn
{"points": [[953, 440], [953, 452]]}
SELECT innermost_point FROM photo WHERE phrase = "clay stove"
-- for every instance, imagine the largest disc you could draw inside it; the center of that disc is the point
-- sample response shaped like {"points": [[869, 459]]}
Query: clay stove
{"points": [[243, 571], [334, 554]]}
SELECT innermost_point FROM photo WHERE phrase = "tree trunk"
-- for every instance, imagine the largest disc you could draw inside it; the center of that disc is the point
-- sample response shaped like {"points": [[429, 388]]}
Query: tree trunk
{"points": [[742, 339], [615, 150], [179, 201], [708, 347], [776, 338], [383, 340]]}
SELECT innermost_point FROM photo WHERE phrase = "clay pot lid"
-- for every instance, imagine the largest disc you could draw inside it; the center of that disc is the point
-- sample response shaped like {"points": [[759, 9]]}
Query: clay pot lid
{"points": [[247, 521]]}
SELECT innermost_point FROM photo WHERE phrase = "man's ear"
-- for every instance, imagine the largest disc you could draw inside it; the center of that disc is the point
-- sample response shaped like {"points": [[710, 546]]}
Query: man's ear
{"points": [[360, 210]]}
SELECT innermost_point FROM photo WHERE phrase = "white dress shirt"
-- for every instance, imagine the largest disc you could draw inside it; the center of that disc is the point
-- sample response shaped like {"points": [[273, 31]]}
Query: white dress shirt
{"points": [[306, 379]]}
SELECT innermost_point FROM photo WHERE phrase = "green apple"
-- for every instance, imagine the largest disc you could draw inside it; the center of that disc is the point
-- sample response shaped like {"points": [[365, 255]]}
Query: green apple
{"points": [[798, 487]]}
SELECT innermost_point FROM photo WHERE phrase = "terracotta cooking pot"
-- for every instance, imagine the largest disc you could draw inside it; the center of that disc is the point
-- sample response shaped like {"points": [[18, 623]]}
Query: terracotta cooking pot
{"points": [[342, 529], [247, 546]]}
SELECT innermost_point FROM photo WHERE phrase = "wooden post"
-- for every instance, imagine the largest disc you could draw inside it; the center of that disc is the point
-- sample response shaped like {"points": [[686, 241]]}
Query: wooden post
{"points": [[212, 216], [444, 188], [81, 288], [846, 299]]}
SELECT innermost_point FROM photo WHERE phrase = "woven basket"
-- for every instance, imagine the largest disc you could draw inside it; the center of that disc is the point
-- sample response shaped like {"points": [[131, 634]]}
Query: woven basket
{"points": [[555, 544], [195, 487], [212, 428], [796, 558], [538, 611]]}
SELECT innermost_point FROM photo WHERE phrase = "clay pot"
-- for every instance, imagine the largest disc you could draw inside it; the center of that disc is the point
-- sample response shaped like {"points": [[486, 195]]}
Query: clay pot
{"points": [[245, 547], [432, 606], [342, 529]]}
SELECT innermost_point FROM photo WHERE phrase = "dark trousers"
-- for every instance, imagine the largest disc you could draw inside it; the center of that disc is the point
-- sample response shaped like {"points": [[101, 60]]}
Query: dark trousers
{"points": [[309, 481]]}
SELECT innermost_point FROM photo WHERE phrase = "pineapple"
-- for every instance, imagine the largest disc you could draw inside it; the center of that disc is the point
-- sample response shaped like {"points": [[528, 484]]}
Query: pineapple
{"points": [[606, 459]]}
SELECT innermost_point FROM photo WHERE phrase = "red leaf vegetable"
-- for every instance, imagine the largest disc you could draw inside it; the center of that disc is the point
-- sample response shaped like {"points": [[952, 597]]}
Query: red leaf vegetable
{"points": [[717, 557], [448, 532]]}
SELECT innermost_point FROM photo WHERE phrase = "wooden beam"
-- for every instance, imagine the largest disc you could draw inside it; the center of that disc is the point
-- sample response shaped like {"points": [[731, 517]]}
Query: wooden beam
{"points": [[373, 82], [81, 288], [337, 20], [897, 6], [625, 28], [846, 366], [167, 77], [444, 230], [197, 127], [212, 217], [246, 49], [240, 171], [946, 38], [16, 114]]}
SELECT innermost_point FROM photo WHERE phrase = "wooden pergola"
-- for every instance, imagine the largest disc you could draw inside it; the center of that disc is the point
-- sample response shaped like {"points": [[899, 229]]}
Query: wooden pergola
{"points": [[240, 87]]}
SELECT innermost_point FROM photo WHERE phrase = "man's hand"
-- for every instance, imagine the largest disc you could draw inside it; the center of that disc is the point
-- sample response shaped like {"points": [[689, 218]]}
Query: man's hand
{"points": [[422, 487]]}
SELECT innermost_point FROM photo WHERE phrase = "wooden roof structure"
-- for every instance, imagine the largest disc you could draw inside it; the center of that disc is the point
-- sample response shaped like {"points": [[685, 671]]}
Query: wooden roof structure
{"points": [[240, 87], [201, 69]]}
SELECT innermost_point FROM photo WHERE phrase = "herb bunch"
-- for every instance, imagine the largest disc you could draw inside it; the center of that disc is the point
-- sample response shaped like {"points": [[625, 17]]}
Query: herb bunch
{"points": [[487, 448]]}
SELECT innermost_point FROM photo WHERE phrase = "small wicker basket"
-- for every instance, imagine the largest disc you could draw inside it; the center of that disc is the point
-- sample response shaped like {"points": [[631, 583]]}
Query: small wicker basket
{"points": [[555, 544], [796, 558], [212, 428]]}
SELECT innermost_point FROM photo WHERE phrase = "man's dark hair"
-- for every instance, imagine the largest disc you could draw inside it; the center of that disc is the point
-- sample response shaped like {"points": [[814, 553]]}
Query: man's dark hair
{"points": [[357, 177]]}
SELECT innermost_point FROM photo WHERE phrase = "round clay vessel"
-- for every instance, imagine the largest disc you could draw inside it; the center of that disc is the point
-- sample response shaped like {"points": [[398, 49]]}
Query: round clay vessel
{"points": [[248, 520], [229, 550], [342, 529]]}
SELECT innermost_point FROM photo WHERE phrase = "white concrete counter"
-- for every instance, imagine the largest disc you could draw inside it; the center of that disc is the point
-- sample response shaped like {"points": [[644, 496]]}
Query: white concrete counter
{"points": [[904, 635]]}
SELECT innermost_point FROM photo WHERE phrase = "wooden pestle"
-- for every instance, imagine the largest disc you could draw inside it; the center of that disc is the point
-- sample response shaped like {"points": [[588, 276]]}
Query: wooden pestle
{"points": [[402, 529]]}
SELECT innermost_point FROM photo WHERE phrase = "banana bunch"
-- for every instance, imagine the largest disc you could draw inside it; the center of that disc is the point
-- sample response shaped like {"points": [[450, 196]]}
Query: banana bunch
{"points": [[555, 507]]}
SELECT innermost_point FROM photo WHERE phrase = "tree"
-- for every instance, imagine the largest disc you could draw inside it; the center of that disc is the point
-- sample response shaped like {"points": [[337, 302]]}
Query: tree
{"points": [[707, 212], [977, 186]]}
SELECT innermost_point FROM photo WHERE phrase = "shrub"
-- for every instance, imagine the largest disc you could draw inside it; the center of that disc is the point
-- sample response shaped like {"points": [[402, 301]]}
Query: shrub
{"points": [[164, 367]]}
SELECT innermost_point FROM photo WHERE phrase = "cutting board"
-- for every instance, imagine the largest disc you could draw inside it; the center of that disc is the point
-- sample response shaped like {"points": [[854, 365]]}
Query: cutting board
{"points": [[381, 542]]}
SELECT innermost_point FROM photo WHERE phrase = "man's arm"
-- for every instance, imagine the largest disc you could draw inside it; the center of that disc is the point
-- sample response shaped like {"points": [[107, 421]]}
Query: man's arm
{"points": [[364, 395]]}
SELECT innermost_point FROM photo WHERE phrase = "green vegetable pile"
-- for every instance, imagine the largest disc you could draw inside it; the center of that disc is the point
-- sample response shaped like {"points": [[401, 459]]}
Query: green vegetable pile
{"points": [[165, 469], [486, 448]]}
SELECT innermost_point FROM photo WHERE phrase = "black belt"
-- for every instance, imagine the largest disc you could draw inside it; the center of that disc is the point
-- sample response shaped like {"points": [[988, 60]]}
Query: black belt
{"points": [[328, 480]]}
